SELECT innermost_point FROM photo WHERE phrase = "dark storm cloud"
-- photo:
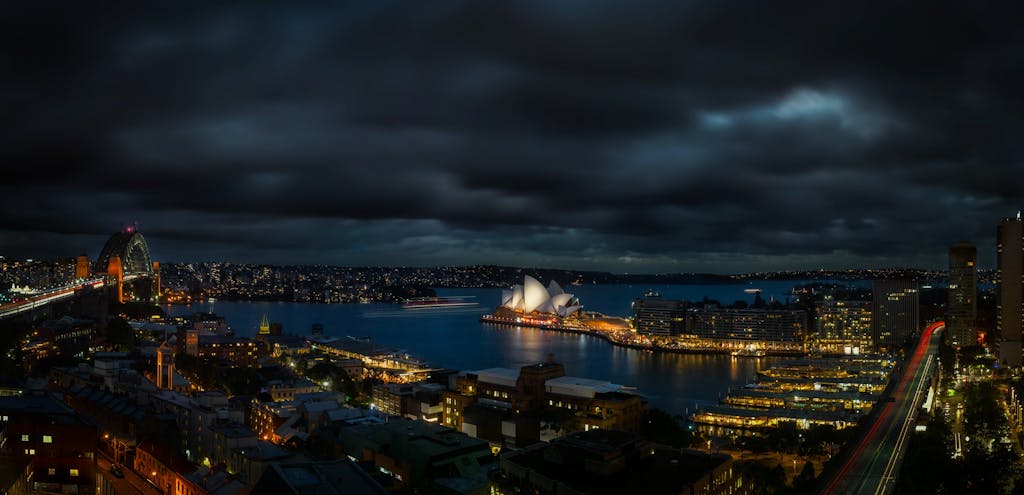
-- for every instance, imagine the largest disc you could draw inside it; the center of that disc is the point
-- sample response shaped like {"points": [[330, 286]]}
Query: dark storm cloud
{"points": [[630, 137]]}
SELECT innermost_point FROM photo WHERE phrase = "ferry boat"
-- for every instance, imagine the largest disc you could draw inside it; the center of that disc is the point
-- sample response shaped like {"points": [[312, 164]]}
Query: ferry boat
{"points": [[749, 353], [438, 302]]}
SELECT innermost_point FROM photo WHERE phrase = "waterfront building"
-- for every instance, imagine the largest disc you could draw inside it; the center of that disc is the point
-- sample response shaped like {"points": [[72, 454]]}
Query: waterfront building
{"points": [[1010, 279], [533, 297], [875, 366], [869, 384], [775, 329], [821, 400], [657, 316], [895, 314], [606, 461], [721, 420], [803, 392], [371, 355], [531, 304], [962, 309], [843, 326]]}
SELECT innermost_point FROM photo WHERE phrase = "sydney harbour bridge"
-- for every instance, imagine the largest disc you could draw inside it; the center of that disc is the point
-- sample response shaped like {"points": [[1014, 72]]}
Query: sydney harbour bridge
{"points": [[124, 270]]}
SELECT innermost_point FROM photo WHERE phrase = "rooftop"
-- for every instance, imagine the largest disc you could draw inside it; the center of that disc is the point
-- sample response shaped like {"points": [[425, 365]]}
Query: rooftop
{"points": [[579, 387], [658, 470], [341, 477], [498, 376]]}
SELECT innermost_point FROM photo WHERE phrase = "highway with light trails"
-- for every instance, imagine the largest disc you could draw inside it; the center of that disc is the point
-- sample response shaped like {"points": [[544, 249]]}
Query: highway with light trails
{"points": [[876, 457], [46, 297]]}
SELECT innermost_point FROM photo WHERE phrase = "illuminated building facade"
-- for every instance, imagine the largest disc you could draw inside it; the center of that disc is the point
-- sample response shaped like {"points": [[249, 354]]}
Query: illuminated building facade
{"points": [[265, 418], [233, 350], [962, 309], [656, 316], [1010, 279], [420, 401], [165, 366], [771, 328], [58, 447], [82, 267], [844, 326], [581, 404], [895, 313]]}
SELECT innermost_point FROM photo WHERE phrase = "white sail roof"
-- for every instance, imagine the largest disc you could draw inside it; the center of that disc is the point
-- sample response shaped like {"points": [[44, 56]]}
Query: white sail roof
{"points": [[533, 296]]}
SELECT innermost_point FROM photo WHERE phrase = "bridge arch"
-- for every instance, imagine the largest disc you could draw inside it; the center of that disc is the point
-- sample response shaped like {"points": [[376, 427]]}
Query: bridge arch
{"points": [[133, 251]]}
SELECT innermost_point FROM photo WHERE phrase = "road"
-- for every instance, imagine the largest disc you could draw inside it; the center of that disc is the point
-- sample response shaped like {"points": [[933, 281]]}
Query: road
{"points": [[49, 296], [131, 484], [875, 461]]}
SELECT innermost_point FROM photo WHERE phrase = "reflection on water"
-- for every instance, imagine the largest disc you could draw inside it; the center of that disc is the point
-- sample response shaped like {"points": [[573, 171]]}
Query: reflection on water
{"points": [[376, 311], [454, 338]]}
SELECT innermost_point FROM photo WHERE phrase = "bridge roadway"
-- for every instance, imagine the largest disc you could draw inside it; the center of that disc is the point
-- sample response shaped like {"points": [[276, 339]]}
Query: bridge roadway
{"points": [[53, 295], [874, 463]]}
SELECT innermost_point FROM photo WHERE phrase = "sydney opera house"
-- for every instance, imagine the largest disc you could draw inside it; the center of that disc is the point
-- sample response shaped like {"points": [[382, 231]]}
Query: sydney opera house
{"points": [[533, 305], [533, 300]]}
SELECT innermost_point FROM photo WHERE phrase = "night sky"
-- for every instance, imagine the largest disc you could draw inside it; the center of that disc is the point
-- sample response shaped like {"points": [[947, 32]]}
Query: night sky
{"points": [[623, 136]]}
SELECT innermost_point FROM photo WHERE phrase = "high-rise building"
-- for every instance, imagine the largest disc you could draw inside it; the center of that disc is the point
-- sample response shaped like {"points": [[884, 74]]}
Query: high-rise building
{"points": [[1010, 278], [962, 309], [895, 313], [656, 316], [844, 326]]}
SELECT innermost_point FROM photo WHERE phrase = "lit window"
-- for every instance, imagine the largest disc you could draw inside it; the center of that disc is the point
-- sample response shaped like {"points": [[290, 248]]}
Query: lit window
{"points": [[73, 472], [51, 471], [24, 438], [47, 439]]}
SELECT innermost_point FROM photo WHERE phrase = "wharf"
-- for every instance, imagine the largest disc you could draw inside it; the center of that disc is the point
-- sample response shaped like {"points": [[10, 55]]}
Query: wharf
{"points": [[610, 337]]}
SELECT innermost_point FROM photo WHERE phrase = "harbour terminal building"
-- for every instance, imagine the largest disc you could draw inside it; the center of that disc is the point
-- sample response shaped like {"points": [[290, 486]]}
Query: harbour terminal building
{"points": [[833, 392]]}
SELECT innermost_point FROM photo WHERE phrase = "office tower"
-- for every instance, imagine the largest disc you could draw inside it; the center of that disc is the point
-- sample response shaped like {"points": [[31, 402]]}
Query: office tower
{"points": [[656, 316], [1010, 278], [895, 314], [962, 309]]}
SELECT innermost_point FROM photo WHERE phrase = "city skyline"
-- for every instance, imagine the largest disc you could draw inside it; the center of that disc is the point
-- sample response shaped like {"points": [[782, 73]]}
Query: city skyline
{"points": [[643, 138]]}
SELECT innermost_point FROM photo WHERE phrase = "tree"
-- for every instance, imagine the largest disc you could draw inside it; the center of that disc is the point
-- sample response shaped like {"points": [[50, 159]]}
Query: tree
{"points": [[121, 335], [661, 427], [804, 482]]}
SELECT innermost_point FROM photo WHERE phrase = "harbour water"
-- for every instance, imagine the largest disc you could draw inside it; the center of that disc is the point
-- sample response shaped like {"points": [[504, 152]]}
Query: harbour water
{"points": [[456, 339]]}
